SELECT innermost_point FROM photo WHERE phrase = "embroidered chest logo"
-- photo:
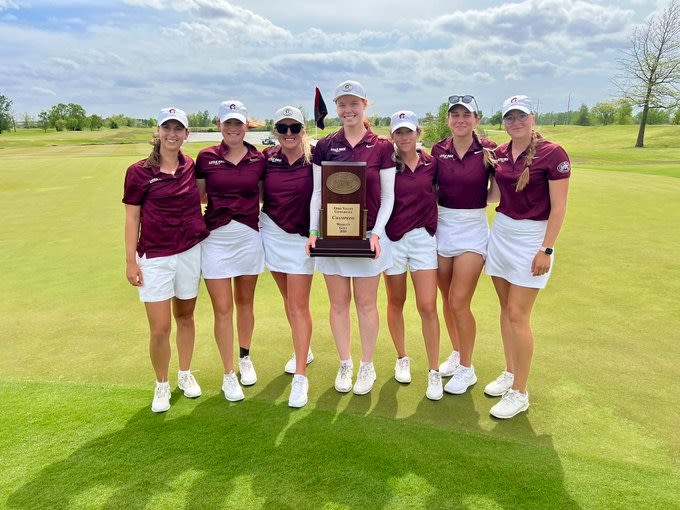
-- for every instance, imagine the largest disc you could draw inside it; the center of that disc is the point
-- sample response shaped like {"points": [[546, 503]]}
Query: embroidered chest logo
{"points": [[215, 162], [338, 149], [155, 179], [502, 160], [446, 156], [275, 160]]}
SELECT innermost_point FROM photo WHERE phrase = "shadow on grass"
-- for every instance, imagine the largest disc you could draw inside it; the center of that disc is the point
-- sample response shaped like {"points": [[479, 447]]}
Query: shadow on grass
{"points": [[257, 455]]}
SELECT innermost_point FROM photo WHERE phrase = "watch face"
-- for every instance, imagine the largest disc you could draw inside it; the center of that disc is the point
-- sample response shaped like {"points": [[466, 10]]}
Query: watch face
{"points": [[548, 251]]}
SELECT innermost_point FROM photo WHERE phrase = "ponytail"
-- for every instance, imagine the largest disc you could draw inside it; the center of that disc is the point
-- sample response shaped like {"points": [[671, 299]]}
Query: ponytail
{"points": [[531, 152], [489, 158], [154, 159]]}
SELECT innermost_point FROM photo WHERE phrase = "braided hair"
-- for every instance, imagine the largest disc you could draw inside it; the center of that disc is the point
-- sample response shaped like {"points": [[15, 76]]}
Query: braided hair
{"points": [[528, 159]]}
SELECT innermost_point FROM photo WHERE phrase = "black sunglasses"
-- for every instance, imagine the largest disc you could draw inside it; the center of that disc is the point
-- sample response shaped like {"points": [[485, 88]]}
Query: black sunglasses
{"points": [[282, 129], [461, 99]]}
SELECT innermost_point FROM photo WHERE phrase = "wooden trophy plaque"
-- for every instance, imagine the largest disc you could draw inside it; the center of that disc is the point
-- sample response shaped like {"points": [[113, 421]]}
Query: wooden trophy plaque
{"points": [[342, 217]]}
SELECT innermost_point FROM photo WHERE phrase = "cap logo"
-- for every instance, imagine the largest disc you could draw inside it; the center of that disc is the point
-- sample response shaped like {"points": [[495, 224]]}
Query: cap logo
{"points": [[347, 86], [287, 111], [513, 100], [171, 110], [232, 106], [402, 115]]}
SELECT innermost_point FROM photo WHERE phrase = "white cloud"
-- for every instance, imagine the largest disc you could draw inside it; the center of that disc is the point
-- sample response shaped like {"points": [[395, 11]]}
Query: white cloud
{"points": [[44, 91]]}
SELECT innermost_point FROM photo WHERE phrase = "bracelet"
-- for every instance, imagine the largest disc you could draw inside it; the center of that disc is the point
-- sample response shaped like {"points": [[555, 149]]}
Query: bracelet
{"points": [[314, 233]]}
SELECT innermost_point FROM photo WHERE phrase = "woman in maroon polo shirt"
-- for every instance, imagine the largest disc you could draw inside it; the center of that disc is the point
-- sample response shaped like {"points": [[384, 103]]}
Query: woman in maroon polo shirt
{"points": [[533, 176], [466, 183], [411, 231], [163, 231], [284, 224], [230, 174], [356, 142]]}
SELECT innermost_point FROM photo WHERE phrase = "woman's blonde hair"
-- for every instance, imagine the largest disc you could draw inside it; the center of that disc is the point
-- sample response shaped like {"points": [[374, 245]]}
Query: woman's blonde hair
{"points": [[528, 159], [154, 158], [489, 158]]}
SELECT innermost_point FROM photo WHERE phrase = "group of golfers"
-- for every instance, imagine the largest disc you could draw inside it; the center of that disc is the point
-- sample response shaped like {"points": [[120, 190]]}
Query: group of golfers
{"points": [[426, 215]]}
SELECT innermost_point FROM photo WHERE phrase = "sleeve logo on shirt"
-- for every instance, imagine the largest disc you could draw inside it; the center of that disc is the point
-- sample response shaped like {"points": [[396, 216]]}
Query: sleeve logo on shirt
{"points": [[564, 167]]}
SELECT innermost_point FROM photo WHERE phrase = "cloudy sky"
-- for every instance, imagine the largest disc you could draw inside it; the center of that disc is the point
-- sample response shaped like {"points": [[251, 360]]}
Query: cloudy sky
{"points": [[137, 56]]}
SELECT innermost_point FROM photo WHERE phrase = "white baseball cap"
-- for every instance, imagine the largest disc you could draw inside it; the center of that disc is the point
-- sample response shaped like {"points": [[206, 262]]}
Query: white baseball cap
{"points": [[520, 103], [289, 112], [404, 118], [467, 101], [232, 109], [173, 114], [349, 88]]}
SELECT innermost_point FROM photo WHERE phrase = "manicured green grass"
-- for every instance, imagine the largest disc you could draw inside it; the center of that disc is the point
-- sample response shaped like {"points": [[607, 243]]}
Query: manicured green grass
{"points": [[76, 382]]}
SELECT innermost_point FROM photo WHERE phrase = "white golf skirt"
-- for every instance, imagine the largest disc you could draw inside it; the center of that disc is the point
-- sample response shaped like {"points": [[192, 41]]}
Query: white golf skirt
{"points": [[232, 250], [513, 244], [284, 252], [461, 230]]}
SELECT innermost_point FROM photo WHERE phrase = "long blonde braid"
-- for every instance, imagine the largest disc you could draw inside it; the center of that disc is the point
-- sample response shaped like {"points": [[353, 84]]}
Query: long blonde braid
{"points": [[154, 158], [531, 152]]}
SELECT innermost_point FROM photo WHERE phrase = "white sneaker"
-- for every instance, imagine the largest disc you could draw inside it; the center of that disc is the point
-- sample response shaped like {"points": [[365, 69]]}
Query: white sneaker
{"points": [[512, 403], [231, 388], [187, 383], [161, 398], [461, 380], [402, 370], [434, 386], [298, 391], [247, 371], [290, 365], [365, 379], [343, 381], [449, 366], [502, 384]]}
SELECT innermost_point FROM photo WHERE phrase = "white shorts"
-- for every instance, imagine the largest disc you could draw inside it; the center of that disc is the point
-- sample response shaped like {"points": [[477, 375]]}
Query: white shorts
{"points": [[461, 230], [172, 276], [416, 251], [232, 250], [513, 244], [284, 252], [357, 267]]}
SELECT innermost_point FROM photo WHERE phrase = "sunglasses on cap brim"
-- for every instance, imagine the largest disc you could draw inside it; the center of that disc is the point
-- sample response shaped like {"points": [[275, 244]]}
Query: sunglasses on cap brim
{"points": [[466, 99], [282, 129]]}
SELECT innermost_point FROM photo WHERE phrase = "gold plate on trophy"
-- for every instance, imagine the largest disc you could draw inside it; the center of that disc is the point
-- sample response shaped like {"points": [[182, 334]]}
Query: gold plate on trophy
{"points": [[343, 183]]}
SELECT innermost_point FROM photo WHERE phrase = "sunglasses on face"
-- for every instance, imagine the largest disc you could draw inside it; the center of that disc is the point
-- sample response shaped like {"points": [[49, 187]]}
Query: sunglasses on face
{"points": [[509, 118], [467, 99], [282, 129]]}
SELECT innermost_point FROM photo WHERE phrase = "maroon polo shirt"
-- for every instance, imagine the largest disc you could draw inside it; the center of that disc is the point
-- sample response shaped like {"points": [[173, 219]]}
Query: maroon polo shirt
{"points": [[415, 199], [170, 217], [533, 202], [287, 191], [374, 151], [233, 190], [463, 183]]}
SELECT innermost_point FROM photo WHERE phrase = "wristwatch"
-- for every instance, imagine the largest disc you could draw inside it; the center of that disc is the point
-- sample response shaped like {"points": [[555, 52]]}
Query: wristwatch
{"points": [[547, 251]]}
